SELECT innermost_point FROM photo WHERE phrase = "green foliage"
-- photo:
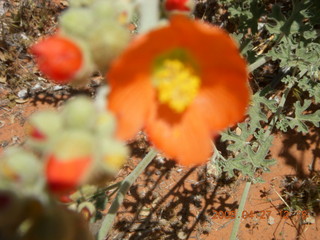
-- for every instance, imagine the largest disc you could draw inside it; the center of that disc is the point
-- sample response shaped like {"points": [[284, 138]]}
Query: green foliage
{"points": [[296, 47], [249, 144], [300, 118], [245, 14], [298, 40]]}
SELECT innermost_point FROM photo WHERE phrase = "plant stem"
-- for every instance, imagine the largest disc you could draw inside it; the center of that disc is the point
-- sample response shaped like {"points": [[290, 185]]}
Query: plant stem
{"points": [[243, 200], [258, 63], [124, 187], [149, 14]]}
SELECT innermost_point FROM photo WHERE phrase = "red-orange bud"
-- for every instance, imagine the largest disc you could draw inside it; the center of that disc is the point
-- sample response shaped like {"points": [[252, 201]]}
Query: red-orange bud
{"points": [[63, 176], [59, 58], [177, 5]]}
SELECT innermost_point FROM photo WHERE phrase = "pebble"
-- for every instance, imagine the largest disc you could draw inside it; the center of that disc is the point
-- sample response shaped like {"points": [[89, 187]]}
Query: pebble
{"points": [[270, 220], [23, 93]]}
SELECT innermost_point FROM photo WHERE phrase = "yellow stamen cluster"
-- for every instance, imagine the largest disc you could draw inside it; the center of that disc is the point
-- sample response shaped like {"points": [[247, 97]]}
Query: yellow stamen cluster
{"points": [[177, 84]]}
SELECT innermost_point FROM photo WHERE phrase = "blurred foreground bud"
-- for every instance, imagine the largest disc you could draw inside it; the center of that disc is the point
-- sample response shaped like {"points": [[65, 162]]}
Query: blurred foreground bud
{"points": [[42, 126], [19, 169], [59, 58], [179, 6], [102, 27], [69, 161], [111, 156], [79, 113], [80, 3], [120, 10], [77, 22], [106, 42], [114, 155], [105, 124], [63, 60]]}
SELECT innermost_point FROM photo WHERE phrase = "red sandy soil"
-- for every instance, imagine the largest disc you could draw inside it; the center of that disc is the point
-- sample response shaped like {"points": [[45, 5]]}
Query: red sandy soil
{"points": [[172, 202]]}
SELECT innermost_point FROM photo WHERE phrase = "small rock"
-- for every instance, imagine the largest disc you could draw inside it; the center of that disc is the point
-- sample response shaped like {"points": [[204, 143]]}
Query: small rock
{"points": [[144, 212], [58, 87], [37, 87], [3, 79], [270, 220], [23, 93], [309, 220], [182, 235], [163, 222]]}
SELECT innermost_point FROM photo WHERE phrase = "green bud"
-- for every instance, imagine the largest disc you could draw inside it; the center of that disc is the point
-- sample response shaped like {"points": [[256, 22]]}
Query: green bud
{"points": [[79, 113], [113, 155], [77, 22], [106, 10], [72, 144], [80, 3], [105, 124], [46, 123], [106, 42], [21, 167]]}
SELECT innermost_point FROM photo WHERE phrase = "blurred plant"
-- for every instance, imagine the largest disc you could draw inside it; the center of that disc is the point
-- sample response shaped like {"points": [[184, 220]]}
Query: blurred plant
{"points": [[77, 145], [27, 218], [182, 81], [64, 151], [91, 34]]}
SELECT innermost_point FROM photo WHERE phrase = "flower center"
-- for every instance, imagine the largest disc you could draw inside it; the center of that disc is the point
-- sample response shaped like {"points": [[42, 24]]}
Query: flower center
{"points": [[177, 84]]}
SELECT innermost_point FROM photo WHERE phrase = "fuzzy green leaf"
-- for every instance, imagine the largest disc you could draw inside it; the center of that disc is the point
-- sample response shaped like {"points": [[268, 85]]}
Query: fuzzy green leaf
{"points": [[300, 118]]}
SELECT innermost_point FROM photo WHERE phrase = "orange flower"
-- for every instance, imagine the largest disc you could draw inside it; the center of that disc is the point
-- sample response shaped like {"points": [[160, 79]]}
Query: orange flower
{"points": [[182, 83]]}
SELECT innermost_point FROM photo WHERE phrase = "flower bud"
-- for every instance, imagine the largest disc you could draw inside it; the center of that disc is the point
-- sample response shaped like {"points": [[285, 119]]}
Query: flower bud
{"points": [[70, 160], [106, 43], [58, 57], [179, 6], [77, 22], [105, 124], [80, 3], [20, 167], [120, 10], [79, 113], [114, 155], [43, 125]]}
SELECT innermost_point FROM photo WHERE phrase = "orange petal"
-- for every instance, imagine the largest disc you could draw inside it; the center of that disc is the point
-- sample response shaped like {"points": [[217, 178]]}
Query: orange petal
{"points": [[130, 103], [211, 46], [224, 102], [184, 137]]}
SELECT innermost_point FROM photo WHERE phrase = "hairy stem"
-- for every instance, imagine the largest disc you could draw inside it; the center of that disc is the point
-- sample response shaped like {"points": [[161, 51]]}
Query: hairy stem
{"points": [[123, 189], [243, 200]]}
